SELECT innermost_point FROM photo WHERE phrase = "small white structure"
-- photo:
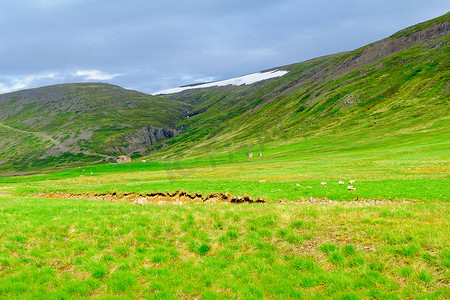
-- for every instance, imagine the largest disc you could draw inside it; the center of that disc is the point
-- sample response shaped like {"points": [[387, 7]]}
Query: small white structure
{"points": [[249, 154], [260, 154], [123, 159]]}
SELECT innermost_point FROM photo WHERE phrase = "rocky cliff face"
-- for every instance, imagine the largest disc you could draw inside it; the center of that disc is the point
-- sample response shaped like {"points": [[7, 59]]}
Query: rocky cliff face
{"points": [[143, 138]]}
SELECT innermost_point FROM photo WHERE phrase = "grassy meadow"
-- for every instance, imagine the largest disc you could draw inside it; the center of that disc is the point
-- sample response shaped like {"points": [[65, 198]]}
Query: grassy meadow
{"points": [[75, 248], [381, 121], [405, 169], [60, 249]]}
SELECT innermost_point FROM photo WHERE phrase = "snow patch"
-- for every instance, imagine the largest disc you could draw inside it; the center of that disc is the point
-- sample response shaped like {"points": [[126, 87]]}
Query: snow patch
{"points": [[242, 80]]}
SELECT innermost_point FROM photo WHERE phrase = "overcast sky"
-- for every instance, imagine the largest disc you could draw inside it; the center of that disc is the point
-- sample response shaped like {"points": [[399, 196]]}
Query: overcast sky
{"points": [[150, 45]]}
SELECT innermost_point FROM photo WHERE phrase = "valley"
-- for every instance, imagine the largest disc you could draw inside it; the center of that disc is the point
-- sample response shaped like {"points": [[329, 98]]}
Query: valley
{"points": [[345, 195]]}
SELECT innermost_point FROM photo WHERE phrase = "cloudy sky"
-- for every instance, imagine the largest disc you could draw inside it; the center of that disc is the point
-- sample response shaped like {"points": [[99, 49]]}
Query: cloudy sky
{"points": [[151, 45]]}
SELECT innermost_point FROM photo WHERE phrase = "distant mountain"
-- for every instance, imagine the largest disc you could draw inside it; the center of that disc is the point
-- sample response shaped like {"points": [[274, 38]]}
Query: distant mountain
{"points": [[396, 86], [82, 122]]}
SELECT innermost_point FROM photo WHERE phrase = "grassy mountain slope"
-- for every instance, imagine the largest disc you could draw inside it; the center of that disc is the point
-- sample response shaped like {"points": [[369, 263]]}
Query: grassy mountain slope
{"points": [[394, 87], [388, 93], [86, 121]]}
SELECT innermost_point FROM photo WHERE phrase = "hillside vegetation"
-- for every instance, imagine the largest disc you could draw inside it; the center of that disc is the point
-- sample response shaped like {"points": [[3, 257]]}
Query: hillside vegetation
{"points": [[396, 87], [390, 98], [83, 121]]}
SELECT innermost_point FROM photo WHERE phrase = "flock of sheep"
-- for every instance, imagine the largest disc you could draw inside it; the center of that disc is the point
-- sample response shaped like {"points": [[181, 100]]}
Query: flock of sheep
{"points": [[351, 187]]}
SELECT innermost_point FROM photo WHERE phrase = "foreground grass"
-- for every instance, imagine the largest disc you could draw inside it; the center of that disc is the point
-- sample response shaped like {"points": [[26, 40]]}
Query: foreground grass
{"points": [[54, 248]]}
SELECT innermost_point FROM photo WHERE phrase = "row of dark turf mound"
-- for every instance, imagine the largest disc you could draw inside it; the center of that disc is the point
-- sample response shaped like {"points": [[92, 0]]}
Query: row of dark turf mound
{"points": [[177, 197]]}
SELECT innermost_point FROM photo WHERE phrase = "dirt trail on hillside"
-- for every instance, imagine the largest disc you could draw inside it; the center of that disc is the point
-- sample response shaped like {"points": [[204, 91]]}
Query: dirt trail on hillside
{"points": [[178, 197], [59, 147]]}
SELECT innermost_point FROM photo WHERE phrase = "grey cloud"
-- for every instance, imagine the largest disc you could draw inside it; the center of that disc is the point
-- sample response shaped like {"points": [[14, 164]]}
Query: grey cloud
{"points": [[155, 45]]}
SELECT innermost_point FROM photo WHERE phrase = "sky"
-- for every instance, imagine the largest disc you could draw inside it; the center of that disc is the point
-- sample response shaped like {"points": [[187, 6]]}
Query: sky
{"points": [[152, 45]]}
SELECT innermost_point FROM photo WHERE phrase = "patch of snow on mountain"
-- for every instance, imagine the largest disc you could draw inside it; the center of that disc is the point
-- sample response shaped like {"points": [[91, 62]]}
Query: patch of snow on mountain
{"points": [[246, 79]]}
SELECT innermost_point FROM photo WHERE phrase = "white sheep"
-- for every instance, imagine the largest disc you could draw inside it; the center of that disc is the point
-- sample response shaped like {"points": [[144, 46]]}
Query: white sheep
{"points": [[323, 183], [351, 188], [351, 181], [341, 182]]}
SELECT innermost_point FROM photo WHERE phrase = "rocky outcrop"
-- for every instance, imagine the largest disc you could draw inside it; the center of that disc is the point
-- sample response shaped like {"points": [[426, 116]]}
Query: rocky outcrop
{"points": [[144, 137], [400, 41]]}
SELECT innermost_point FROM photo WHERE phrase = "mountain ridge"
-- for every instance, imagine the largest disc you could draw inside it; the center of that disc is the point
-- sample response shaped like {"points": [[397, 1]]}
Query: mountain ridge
{"points": [[315, 80], [94, 119], [364, 90]]}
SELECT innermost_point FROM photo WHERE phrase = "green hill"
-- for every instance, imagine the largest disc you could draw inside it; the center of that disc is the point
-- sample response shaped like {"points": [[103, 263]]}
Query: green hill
{"points": [[393, 91], [81, 122], [396, 86]]}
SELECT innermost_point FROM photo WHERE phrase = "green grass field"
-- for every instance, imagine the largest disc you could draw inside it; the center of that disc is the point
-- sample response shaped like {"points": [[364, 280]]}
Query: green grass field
{"points": [[60, 249], [75, 248], [404, 169]]}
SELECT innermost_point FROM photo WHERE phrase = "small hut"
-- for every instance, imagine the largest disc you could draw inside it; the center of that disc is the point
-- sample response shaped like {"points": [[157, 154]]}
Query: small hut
{"points": [[259, 154], [123, 159], [249, 154]]}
